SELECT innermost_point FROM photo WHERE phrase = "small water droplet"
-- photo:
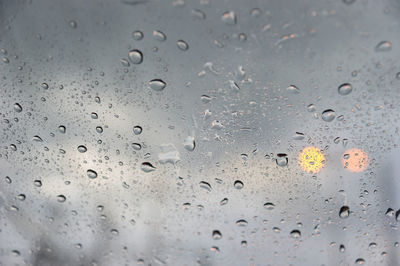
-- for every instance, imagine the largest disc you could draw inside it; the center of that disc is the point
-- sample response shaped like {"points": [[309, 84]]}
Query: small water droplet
{"points": [[342, 248], [157, 84], [136, 146], [21, 197], [295, 234], [328, 115], [205, 186], [94, 115], [73, 24], [282, 159], [137, 130], [345, 89], [61, 198], [17, 108], [269, 206], [45, 86], [159, 35], [216, 235], [37, 138], [293, 89], [344, 212], [124, 62], [91, 173], [189, 143], [182, 45], [229, 17], [389, 212], [62, 129], [298, 136], [360, 261], [147, 167], [137, 35], [82, 148], [135, 56], [238, 184], [383, 46], [223, 201], [37, 183], [241, 222], [99, 129]]}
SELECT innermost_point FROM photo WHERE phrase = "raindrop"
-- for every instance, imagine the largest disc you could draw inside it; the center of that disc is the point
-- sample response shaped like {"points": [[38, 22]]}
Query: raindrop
{"points": [[136, 146], [91, 173], [99, 129], [61, 198], [147, 167], [328, 115], [94, 115], [383, 46], [238, 184], [37, 183], [398, 215], [189, 143], [21, 197], [298, 136], [345, 89], [137, 35], [114, 232], [389, 212], [216, 235], [159, 36], [205, 185], [229, 17], [37, 138], [8, 180], [269, 206], [342, 248], [360, 261], [282, 159], [137, 130], [17, 108], [293, 89], [62, 129], [344, 212], [241, 222], [182, 45], [124, 62], [157, 84], [295, 234], [82, 148], [45, 86], [135, 56], [223, 201], [73, 24]]}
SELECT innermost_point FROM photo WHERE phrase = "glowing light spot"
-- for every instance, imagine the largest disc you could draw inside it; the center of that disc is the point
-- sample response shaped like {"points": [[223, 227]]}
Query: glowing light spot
{"points": [[311, 160], [355, 160]]}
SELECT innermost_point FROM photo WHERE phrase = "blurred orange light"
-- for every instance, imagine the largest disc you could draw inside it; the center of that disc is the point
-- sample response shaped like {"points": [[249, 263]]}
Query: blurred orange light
{"points": [[355, 160]]}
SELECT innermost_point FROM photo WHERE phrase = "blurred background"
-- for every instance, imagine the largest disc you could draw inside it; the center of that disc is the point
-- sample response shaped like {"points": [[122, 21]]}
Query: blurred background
{"points": [[199, 132]]}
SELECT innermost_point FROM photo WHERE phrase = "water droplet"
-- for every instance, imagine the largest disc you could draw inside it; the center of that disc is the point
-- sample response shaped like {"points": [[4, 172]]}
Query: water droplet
{"points": [[311, 108], [114, 232], [282, 159], [293, 89], [13, 147], [344, 212], [360, 261], [124, 62], [398, 215], [216, 235], [137, 130], [342, 248], [73, 24], [21, 197], [269, 206], [97, 99], [45, 86], [328, 115], [137, 35], [182, 45], [223, 201], [229, 18], [37, 138], [189, 143], [205, 186], [238, 184], [157, 84], [298, 136], [91, 173], [61, 198], [136, 146], [345, 89], [37, 183], [389, 212], [17, 108], [82, 148], [62, 129], [135, 56], [295, 234], [147, 167], [94, 115], [159, 35], [383, 46], [216, 125], [241, 222]]}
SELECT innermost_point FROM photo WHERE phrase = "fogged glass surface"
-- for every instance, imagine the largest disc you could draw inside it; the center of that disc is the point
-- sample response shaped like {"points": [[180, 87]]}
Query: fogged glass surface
{"points": [[199, 132]]}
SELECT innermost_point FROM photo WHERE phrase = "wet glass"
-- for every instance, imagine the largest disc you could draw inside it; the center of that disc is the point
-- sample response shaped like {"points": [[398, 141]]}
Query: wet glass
{"points": [[199, 132]]}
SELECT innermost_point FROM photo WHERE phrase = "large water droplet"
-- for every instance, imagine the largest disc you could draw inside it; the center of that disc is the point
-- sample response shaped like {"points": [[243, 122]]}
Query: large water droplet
{"points": [[147, 167], [137, 130], [345, 89], [91, 173], [135, 56], [328, 115], [383, 46], [157, 84], [238, 184], [82, 148]]}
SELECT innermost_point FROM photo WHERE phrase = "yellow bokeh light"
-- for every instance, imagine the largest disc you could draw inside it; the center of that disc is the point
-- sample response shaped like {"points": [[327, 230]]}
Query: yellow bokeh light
{"points": [[311, 160]]}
